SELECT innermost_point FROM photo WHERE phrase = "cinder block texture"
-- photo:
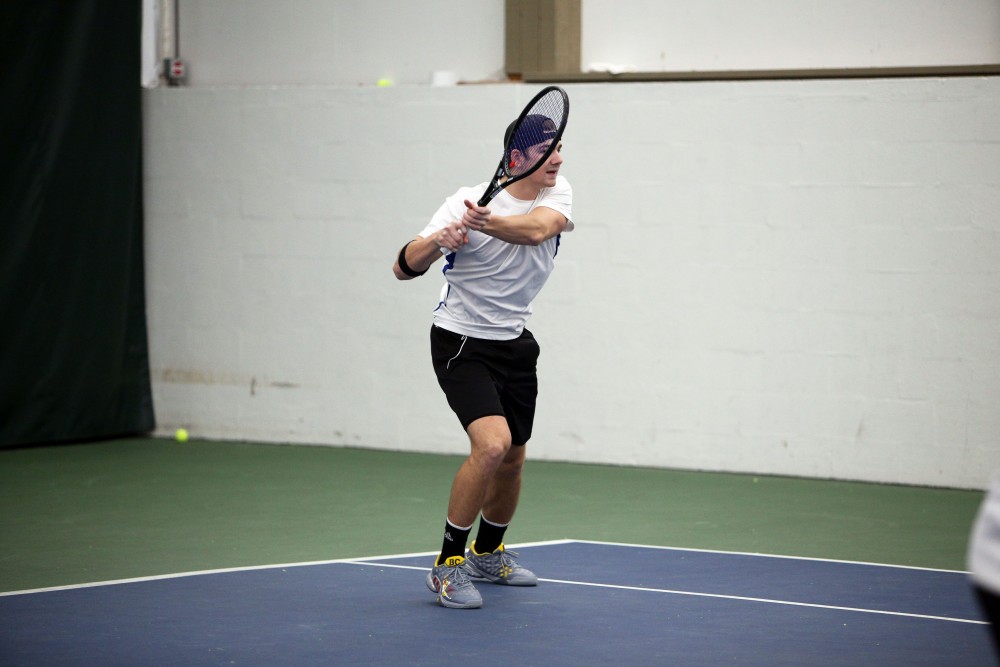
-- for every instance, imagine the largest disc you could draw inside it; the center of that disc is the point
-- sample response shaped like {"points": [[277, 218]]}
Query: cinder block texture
{"points": [[798, 277]]}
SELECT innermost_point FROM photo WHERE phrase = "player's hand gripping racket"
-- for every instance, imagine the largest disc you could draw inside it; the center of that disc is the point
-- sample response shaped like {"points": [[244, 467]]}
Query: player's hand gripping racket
{"points": [[530, 141]]}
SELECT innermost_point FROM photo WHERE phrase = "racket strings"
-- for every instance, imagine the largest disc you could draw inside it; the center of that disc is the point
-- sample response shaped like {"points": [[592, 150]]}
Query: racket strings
{"points": [[536, 131]]}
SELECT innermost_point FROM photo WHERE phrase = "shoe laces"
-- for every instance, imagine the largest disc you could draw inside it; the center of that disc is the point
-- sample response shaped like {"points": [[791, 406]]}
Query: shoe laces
{"points": [[507, 558], [511, 555], [458, 575]]}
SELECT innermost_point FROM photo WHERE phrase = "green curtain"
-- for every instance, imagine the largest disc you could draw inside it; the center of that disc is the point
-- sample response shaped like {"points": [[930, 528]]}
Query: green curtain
{"points": [[74, 361]]}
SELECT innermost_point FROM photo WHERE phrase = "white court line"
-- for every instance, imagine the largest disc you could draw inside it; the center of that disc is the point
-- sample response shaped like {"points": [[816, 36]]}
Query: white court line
{"points": [[760, 555], [720, 596], [376, 561], [249, 568], [520, 545]]}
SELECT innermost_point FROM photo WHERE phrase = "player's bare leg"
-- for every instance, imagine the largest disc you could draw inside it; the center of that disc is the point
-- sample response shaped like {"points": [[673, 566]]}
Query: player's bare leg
{"points": [[490, 442], [495, 468], [505, 488]]}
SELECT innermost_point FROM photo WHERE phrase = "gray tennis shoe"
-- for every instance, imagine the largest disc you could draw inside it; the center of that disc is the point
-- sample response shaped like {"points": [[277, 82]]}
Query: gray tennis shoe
{"points": [[450, 581], [500, 567]]}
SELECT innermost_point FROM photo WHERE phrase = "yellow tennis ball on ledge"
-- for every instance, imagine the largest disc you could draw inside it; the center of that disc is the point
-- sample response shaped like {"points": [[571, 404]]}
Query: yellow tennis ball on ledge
{"points": [[181, 435], [383, 83]]}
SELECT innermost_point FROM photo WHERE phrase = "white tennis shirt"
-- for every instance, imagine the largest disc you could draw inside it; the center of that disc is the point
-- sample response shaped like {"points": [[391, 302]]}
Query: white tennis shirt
{"points": [[984, 545], [489, 283]]}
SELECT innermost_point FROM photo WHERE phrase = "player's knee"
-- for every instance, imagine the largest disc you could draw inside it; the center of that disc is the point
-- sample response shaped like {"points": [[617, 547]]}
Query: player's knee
{"points": [[497, 450], [511, 468], [492, 450], [491, 440]]}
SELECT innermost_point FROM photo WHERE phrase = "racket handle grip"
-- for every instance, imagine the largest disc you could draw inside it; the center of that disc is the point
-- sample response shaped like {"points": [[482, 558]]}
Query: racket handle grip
{"points": [[444, 251]]}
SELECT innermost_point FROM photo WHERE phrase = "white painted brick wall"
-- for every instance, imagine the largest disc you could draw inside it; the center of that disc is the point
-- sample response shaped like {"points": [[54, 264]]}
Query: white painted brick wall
{"points": [[319, 42], [797, 277]]}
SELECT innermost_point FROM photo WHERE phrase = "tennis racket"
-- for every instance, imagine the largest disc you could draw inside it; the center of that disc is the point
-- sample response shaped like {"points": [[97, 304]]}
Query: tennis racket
{"points": [[530, 141]]}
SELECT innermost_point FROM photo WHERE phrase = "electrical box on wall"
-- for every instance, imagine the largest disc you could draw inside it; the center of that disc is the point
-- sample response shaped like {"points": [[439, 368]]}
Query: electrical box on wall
{"points": [[175, 71]]}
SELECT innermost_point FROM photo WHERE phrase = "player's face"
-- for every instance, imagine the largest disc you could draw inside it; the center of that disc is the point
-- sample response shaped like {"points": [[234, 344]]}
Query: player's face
{"points": [[546, 175]]}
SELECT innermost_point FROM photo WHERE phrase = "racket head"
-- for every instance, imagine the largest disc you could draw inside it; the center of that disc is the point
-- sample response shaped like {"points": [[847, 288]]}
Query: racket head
{"points": [[531, 139]]}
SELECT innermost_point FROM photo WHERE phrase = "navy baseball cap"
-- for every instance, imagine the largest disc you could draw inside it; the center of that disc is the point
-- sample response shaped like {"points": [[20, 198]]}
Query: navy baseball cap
{"points": [[534, 129]]}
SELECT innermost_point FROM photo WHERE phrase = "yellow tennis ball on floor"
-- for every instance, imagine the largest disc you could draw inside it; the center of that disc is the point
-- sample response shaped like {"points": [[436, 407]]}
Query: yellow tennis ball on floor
{"points": [[383, 83], [181, 435]]}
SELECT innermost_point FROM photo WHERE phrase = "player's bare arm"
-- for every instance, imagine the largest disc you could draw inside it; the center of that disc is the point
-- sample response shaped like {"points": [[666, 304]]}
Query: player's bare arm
{"points": [[417, 256], [533, 228]]}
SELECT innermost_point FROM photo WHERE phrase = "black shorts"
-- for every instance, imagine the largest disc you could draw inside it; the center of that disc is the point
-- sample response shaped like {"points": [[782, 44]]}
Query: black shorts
{"points": [[989, 602], [482, 378]]}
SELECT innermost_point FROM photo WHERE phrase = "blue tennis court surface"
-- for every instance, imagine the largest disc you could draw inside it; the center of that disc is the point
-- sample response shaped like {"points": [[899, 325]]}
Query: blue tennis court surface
{"points": [[596, 604]]}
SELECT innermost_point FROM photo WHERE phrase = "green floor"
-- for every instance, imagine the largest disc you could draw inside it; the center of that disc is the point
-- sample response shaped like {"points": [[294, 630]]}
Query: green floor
{"points": [[126, 508]]}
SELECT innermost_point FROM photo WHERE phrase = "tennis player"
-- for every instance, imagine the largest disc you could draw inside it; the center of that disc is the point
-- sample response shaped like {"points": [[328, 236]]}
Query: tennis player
{"points": [[984, 559], [498, 259]]}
